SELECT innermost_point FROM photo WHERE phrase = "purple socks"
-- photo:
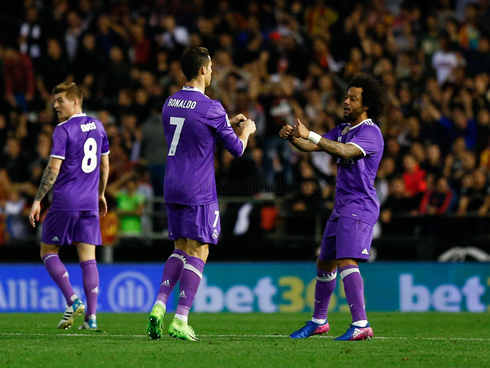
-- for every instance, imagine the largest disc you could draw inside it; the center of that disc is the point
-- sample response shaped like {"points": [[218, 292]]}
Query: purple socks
{"points": [[59, 274], [189, 283], [171, 274], [354, 291], [325, 285], [90, 276]]}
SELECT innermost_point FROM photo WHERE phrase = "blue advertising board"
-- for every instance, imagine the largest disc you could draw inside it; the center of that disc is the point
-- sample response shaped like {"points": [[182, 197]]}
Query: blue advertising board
{"points": [[258, 287]]}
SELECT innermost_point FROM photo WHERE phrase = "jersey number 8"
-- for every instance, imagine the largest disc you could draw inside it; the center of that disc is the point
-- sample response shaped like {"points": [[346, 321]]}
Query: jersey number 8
{"points": [[89, 162]]}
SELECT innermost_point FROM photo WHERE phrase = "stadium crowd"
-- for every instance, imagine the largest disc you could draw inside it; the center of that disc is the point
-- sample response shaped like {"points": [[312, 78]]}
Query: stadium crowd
{"points": [[274, 61]]}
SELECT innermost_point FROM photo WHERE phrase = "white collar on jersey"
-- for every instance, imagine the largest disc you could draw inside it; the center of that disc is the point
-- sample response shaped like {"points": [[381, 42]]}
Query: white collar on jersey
{"points": [[362, 122], [73, 116], [189, 88]]}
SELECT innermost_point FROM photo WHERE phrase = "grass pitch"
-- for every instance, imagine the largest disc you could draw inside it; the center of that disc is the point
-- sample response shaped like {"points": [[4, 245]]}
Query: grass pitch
{"points": [[247, 340]]}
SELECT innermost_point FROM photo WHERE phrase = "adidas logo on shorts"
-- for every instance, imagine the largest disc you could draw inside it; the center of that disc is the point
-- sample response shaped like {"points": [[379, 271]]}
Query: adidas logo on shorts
{"points": [[166, 283]]}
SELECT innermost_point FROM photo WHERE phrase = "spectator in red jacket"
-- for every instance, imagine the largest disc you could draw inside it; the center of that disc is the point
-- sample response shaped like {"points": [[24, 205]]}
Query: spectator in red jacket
{"points": [[413, 176], [20, 82], [437, 201]]}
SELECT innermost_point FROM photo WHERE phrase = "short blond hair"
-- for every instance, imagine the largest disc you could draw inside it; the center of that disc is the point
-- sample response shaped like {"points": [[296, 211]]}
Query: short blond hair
{"points": [[71, 89]]}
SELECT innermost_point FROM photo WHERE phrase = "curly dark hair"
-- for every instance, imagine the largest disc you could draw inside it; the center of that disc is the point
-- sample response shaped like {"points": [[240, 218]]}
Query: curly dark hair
{"points": [[373, 94]]}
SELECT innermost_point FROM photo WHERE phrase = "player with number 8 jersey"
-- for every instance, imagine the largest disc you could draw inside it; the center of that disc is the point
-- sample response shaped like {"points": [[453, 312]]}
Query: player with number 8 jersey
{"points": [[80, 142], [78, 169], [192, 123]]}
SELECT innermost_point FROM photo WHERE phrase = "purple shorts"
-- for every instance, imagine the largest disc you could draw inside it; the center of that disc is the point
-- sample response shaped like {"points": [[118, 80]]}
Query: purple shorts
{"points": [[198, 222], [66, 227], [345, 237]]}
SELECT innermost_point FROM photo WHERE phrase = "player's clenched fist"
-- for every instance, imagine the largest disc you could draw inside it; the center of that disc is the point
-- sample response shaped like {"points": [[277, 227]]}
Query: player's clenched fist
{"points": [[234, 122], [248, 126], [285, 132]]}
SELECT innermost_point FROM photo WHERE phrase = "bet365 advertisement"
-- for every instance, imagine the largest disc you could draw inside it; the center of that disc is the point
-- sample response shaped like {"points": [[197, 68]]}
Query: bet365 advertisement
{"points": [[259, 287]]}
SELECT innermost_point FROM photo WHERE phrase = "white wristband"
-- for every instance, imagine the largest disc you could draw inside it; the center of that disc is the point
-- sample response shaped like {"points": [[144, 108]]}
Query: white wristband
{"points": [[314, 137]]}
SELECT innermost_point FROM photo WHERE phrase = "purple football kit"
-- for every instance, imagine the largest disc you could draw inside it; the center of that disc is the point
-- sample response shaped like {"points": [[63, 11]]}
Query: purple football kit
{"points": [[80, 142], [349, 230], [192, 122]]}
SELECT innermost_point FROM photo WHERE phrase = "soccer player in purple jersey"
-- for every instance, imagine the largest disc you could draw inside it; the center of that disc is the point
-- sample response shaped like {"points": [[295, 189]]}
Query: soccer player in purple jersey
{"points": [[358, 147], [192, 122], [80, 151]]}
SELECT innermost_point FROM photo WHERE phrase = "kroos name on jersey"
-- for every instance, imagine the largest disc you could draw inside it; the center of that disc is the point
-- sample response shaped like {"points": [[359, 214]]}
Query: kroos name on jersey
{"points": [[182, 104], [88, 127]]}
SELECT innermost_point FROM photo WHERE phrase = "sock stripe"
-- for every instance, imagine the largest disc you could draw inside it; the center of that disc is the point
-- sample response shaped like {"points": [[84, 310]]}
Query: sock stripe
{"points": [[347, 272], [193, 269], [327, 277], [48, 257], [179, 256]]}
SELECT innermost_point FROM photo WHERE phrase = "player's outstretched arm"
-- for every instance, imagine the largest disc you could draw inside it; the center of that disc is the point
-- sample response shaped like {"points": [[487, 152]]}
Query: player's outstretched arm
{"points": [[337, 149], [49, 178], [104, 176], [300, 143]]}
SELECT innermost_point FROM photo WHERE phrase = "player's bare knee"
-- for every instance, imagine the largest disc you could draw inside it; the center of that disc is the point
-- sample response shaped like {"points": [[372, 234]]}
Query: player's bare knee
{"points": [[85, 252], [326, 265], [346, 262], [196, 249], [48, 249]]}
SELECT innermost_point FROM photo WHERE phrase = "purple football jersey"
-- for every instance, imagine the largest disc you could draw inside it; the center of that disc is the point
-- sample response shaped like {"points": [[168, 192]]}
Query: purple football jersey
{"points": [[79, 142], [191, 122], [355, 194]]}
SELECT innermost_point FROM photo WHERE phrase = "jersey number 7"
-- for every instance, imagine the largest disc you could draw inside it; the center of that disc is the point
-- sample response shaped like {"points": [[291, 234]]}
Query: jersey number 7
{"points": [[179, 122]]}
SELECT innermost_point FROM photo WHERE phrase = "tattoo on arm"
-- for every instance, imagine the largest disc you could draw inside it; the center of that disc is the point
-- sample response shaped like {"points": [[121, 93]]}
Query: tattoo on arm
{"points": [[304, 145], [338, 149], [47, 182]]}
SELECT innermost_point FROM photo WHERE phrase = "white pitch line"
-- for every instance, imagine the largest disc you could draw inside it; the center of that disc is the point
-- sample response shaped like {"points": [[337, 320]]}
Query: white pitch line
{"points": [[251, 336]]}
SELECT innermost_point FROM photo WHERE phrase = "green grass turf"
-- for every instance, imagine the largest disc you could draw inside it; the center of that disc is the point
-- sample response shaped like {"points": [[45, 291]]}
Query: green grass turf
{"points": [[247, 340]]}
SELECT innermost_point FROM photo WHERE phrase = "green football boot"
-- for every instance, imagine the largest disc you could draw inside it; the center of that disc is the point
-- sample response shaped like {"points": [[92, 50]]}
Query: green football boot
{"points": [[155, 322], [181, 330]]}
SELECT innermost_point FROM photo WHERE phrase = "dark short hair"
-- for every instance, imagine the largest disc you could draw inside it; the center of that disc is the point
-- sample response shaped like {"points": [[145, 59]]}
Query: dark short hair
{"points": [[192, 60], [373, 94]]}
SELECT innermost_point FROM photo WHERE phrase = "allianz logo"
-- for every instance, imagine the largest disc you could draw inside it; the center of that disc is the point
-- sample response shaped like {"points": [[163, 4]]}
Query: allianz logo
{"points": [[130, 291], [18, 294]]}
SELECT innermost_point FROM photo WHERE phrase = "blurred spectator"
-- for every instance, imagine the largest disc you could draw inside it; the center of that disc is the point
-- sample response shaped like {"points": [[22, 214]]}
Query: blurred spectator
{"points": [[433, 165], [53, 69], [130, 203], [475, 195], [444, 61], [19, 78], [398, 202], [115, 77], [15, 162], [154, 149], [174, 38], [413, 176], [73, 34], [436, 201], [32, 35], [88, 61]]}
